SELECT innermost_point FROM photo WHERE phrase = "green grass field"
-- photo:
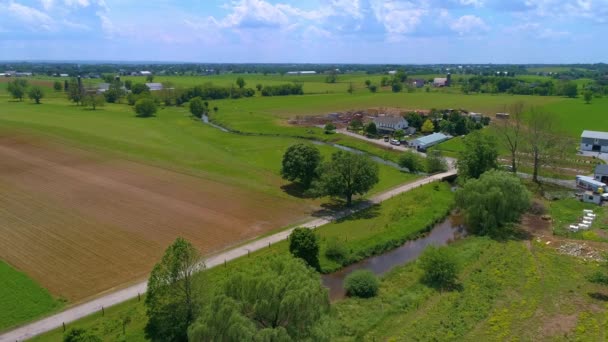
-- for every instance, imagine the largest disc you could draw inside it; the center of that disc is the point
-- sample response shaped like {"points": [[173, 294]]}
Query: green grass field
{"points": [[509, 292], [21, 299]]}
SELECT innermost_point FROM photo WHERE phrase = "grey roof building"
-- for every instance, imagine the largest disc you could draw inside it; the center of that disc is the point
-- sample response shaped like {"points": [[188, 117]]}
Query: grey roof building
{"points": [[390, 123], [601, 173], [594, 141], [425, 142], [154, 86]]}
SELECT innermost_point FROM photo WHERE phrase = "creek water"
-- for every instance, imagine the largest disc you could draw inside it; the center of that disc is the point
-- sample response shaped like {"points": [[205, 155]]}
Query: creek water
{"points": [[443, 233]]}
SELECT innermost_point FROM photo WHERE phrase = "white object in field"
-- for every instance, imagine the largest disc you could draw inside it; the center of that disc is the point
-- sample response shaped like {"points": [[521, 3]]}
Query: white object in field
{"points": [[573, 227], [588, 211], [587, 222], [591, 215], [583, 226]]}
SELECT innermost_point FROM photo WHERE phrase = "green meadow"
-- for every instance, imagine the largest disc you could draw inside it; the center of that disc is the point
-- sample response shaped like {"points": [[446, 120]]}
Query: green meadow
{"points": [[21, 298]]}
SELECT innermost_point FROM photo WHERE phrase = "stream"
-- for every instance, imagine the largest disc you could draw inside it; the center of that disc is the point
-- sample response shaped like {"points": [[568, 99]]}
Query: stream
{"points": [[377, 159], [443, 233]]}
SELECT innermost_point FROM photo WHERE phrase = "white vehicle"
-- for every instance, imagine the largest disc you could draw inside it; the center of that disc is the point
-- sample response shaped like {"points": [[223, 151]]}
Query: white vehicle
{"points": [[395, 142]]}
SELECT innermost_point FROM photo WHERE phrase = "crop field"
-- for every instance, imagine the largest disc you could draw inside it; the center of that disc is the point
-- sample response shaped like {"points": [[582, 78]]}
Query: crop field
{"points": [[91, 198], [21, 299]]}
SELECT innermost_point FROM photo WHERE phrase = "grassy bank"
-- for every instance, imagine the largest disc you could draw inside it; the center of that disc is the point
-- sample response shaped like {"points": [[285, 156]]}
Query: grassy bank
{"points": [[508, 292], [566, 212], [21, 298]]}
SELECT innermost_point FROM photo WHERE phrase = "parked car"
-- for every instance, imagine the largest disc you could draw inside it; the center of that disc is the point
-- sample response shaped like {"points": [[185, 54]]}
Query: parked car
{"points": [[395, 142], [386, 138]]}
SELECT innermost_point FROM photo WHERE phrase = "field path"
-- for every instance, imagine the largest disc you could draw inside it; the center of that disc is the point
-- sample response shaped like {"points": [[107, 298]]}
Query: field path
{"points": [[107, 300]]}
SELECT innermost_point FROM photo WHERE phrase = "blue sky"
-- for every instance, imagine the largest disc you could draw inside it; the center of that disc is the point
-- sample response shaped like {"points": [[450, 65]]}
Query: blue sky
{"points": [[306, 31]]}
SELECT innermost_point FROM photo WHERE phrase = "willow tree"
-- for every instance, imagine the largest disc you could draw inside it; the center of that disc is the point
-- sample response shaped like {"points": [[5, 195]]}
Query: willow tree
{"points": [[171, 302], [491, 202], [277, 299]]}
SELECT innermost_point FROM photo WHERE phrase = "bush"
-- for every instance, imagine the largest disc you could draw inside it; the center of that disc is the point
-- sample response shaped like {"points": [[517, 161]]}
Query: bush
{"points": [[362, 284], [411, 161], [145, 107], [303, 244], [336, 251], [440, 268]]}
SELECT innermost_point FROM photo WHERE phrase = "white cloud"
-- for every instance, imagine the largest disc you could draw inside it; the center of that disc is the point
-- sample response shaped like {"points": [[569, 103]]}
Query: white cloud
{"points": [[399, 17], [254, 13], [535, 30], [475, 3], [469, 24], [31, 16]]}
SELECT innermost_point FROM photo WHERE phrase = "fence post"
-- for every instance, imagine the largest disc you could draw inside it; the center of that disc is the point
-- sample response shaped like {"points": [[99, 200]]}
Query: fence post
{"points": [[63, 323], [103, 312], [138, 297]]}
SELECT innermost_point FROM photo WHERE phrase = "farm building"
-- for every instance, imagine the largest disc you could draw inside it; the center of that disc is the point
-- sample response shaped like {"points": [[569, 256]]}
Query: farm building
{"points": [[601, 173], [64, 75], [154, 86], [502, 115], [145, 73], [103, 87], [425, 142], [594, 141], [440, 82], [418, 83], [590, 184], [309, 72], [390, 123]]}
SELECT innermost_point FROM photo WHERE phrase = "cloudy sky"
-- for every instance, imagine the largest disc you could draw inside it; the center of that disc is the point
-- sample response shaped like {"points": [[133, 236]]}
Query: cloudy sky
{"points": [[332, 31]]}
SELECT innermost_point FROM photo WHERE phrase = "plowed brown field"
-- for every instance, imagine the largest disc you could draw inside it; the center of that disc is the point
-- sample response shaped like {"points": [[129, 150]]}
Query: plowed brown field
{"points": [[80, 223]]}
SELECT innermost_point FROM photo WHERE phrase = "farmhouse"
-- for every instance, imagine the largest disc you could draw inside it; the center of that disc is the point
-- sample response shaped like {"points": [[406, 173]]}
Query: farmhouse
{"points": [[154, 86], [440, 82], [390, 123], [423, 143], [145, 73], [594, 141], [601, 173]]}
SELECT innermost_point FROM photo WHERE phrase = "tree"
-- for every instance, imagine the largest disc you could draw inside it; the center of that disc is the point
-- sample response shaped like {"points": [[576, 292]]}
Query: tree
{"points": [[150, 78], [400, 76], [172, 302], [384, 81], [17, 88], [396, 86], [371, 129], [197, 107], [215, 109], [355, 125], [373, 88], [478, 156], [300, 163], [435, 162], [543, 144], [330, 128], [588, 96], [368, 83], [347, 174], [140, 88], [80, 335], [128, 84], [145, 107], [569, 89], [303, 244], [510, 133], [75, 91], [259, 87], [494, 200], [240, 82], [399, 134], [428, 127], [439, 266], [350, 88], [57, 86], [35, 93], [332, 77], [415, 120], [411, 161], [275, 299], [94, 100], [114, 92]]}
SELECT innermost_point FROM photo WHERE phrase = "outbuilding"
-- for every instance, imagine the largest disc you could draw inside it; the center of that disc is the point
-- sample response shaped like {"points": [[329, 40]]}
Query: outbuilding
{"points": [[425, 142], [601, 173], [154, 86], [594, 141]]}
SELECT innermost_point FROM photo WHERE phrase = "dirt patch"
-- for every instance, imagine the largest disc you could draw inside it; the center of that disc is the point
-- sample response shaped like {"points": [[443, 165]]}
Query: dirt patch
{"points": [[41, 83], [559, 325], [80, 223]]}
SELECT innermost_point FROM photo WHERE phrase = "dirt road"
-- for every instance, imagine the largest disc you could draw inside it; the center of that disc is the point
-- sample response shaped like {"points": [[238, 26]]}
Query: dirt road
{"points": [[107, 300]]}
